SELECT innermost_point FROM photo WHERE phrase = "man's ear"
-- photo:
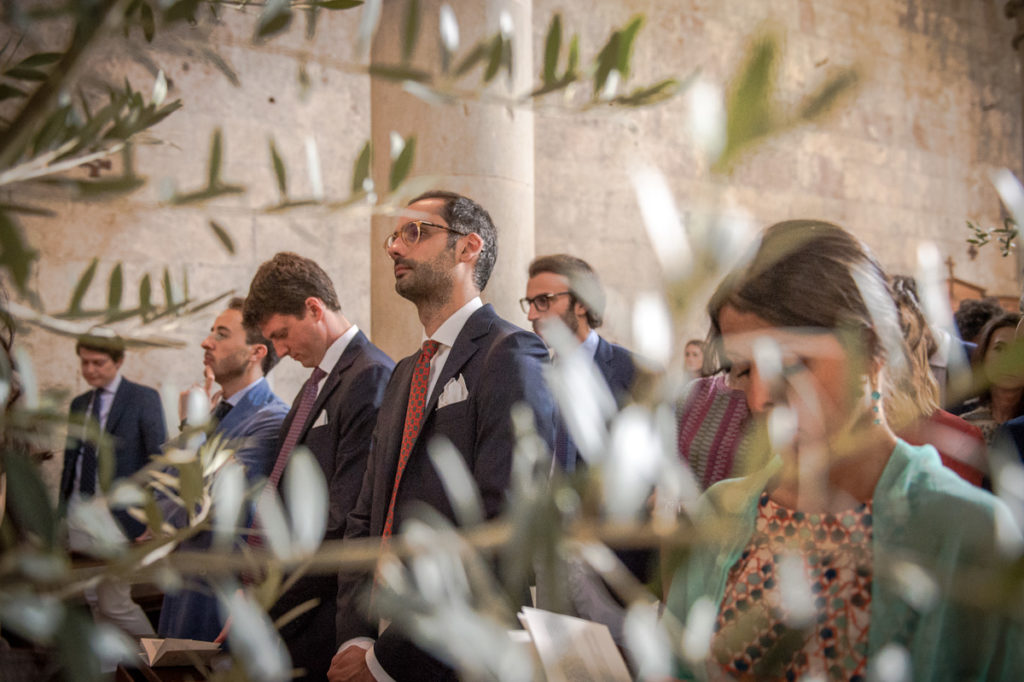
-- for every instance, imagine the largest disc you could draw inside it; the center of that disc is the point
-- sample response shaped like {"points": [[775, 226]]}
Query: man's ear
{"points": [[257, 352], [315, 307], [471, 246], [579, 310]]}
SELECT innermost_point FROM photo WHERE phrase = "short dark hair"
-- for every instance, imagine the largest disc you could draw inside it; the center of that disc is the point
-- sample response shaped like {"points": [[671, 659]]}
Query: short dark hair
{"points": [[281, 287], [972, 314], [94, 340], [584, 285], [465, 216], [253, 337]]}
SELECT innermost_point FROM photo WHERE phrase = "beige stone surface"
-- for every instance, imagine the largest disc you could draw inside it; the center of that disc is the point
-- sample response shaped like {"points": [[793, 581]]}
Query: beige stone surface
{"points": [[906, 160]]}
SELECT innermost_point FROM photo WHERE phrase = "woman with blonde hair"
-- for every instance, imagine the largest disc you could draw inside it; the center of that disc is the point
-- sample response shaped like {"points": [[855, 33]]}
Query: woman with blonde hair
{"points": [[912, 396]]}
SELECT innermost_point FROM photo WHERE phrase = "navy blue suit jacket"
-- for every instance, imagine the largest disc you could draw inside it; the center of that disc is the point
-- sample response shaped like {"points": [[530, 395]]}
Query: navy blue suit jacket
{"points": [[251, 430], [350, 397], [501, 365], [136, 423], [616, 366]]}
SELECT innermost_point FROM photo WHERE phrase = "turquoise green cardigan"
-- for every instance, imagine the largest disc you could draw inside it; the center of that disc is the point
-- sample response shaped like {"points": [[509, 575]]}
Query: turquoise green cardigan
{"points": [[922, 512]]}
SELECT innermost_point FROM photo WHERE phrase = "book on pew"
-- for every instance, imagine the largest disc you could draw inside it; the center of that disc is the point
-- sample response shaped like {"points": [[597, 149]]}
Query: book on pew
{"points": [[166, 653], [573, 649]]}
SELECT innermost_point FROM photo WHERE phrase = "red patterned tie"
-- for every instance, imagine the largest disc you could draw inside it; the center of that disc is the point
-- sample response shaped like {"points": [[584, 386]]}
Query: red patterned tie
{"points": [[290, 440], [413, 422]]}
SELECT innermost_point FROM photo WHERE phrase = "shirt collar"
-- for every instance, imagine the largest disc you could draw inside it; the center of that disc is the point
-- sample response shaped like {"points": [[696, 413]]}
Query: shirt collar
{"points": [[335, 350], [589, 345], [450, 328], [237, 396], [113, 385]]}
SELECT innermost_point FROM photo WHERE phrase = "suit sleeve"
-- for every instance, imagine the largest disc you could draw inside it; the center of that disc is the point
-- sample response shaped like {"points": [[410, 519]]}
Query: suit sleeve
{"points": [[362, 403], [153, 427], [257, 448], [513, 371], [349, 619]]}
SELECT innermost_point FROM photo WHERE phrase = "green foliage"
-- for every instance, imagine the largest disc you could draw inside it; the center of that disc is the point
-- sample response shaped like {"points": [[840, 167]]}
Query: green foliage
{"points": [[752, 108], [402, 164], [1005, 236], [16, 256], [223, 236]]}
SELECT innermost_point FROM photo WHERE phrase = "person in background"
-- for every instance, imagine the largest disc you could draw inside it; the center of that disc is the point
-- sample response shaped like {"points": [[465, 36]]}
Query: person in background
{"points": [[972, 314], [247, 415], [798, 565], [1003, 399], [693, 357], [134, 418], [566, 289], [912, 399]]}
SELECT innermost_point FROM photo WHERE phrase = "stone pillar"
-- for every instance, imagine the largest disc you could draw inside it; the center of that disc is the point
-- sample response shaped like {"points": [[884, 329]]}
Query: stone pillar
{"points": [[481, 150]]}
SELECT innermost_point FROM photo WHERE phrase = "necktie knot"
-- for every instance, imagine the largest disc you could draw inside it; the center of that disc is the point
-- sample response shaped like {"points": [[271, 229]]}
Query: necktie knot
{"points": [[318, 375], [223, 407], [429, 349]]}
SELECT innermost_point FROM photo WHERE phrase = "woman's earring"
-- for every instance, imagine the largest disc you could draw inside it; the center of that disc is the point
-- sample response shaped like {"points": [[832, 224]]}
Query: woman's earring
{"points": [[876, 398]]}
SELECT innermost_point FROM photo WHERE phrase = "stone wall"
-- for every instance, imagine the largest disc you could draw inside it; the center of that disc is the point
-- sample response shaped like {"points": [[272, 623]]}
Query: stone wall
{"points": [[906, 160]]}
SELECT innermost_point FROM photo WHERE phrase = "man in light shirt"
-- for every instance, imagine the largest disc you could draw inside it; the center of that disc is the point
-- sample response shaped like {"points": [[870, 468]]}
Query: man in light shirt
{"points": [[134, 419], [246, 415], [461, 385], [292, 301]]}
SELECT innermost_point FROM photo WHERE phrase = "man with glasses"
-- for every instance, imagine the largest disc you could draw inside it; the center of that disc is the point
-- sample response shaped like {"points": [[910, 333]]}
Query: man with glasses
{"points": [[565, 290], [293, 303], [472, 369]]}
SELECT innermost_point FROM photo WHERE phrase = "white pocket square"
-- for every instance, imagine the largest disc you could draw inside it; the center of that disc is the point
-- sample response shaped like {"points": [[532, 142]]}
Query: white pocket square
{"points": [[321, 420], [455, 391]]}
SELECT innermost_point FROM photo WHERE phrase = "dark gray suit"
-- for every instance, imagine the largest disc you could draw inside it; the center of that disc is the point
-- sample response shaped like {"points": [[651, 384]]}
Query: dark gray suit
{"points": [[501, 366], [350, 397]]}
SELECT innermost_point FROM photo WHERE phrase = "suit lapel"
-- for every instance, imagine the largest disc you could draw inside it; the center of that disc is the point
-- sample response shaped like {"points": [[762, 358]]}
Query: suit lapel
{"points": [[250, 402], [332, 380], [465, 348], [117, 407]]}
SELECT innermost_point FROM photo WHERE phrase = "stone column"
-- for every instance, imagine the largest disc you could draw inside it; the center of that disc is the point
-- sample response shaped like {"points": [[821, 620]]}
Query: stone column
{"points": [[479, 149]]}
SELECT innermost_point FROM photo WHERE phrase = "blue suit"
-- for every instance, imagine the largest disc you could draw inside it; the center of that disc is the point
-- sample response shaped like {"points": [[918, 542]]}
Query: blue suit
{"points": [[251, 428], [616, 366], [136, 423]]}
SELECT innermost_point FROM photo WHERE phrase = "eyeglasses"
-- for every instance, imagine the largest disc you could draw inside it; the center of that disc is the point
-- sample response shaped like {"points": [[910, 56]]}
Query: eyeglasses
{"points": [[411, 232], [541, 301]]}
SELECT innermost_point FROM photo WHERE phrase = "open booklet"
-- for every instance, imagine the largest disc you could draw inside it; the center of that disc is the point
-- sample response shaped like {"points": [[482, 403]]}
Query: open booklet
{"points": [[165, 653], [572, 649]]}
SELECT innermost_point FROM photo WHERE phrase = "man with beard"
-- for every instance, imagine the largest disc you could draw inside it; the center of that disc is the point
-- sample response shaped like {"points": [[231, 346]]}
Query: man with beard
{"points": [[292, 301], [247, 417], [461, 386], [565, 289]]}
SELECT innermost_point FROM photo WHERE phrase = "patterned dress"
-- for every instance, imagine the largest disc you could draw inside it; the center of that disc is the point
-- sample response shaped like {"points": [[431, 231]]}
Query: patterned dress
{"points": [[775, 623]]}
